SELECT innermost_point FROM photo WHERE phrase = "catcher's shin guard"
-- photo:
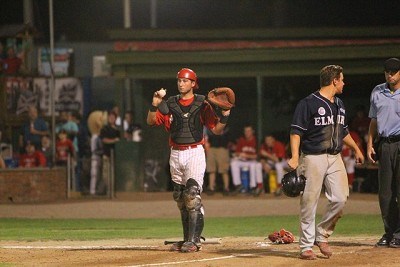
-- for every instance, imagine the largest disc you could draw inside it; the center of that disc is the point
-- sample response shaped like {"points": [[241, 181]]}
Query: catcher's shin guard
{"points": [[194, 206], [178, 197]]}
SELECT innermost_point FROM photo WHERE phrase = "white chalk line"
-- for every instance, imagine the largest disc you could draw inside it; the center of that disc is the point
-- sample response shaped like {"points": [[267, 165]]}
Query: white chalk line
{"points": [[123, 248], [180, 262], [82, 247]]}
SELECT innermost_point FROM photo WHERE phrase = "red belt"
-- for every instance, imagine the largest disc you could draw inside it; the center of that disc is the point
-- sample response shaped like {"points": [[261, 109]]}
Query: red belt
{"points": [[184, 147]]}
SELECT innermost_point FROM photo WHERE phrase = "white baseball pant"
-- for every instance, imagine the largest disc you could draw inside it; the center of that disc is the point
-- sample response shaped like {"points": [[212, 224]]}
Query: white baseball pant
{"points": [[255, 168]]}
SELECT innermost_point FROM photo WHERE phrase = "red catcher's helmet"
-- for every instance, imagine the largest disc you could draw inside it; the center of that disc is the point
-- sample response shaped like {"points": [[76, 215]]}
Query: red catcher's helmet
{"points": [[188, 74]]}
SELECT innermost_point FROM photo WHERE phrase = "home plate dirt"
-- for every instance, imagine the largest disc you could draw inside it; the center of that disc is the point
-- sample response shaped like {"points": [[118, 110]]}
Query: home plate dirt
{"points": [[232, 251], [226, 251]]}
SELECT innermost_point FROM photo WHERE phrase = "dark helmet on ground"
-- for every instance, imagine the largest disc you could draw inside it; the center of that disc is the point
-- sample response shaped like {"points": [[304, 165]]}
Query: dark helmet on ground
{"points": [[292, 184]]}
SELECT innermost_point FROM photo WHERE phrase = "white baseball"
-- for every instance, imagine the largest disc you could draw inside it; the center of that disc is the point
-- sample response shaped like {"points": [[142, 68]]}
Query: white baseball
{"points": [[162, 92]]}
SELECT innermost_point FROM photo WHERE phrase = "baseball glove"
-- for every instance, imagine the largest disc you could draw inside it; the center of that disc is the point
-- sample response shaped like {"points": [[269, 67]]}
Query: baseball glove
{"points": [[281, 237], [222, 97]]}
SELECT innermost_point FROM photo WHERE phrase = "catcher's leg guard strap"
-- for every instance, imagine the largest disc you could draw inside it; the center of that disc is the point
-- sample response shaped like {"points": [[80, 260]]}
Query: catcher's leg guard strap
{"points": [[191, 195], [194, 206], [177, 194], [196, 225]]}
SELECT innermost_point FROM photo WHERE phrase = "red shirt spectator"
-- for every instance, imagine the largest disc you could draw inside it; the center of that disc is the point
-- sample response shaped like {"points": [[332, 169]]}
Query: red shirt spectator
{"points": [[64, 147], [360, 122], [272, 149], [32, 158], [246, 146], [346, 151], [12, 63]]}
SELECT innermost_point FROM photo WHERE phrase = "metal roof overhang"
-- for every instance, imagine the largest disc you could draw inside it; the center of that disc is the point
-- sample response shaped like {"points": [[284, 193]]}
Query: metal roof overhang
{"points": [[250, 63], [358, 57]]}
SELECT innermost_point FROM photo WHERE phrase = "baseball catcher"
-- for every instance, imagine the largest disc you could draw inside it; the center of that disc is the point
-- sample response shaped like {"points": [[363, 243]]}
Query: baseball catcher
{"points": [[184, 116]]}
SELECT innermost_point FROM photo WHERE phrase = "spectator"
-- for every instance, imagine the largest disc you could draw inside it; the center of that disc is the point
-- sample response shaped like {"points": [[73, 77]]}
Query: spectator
{"points": [[2, 163], [217, 160], [245, 156], [12, 63], [83, 136], [96, 162], [33, 130], [360, 123], [2, 54], [64, 148], [46, 149], [82, 148], [115, 110], [2, 57], [132, 131], [31, 157], [110, 134], [70, 126], [1, 131], [273, 157], [95, 123]]}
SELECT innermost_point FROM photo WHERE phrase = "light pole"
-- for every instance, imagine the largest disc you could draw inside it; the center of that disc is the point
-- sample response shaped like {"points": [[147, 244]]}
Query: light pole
{"points": [[52, 81]]}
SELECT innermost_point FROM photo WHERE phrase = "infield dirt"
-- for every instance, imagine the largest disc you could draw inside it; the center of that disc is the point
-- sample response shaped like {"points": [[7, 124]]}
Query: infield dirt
{"points": [[233, 251]]}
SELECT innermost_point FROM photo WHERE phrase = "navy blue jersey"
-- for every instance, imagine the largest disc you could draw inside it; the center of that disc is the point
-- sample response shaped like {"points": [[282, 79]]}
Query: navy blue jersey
{"points": [[321, 124]]}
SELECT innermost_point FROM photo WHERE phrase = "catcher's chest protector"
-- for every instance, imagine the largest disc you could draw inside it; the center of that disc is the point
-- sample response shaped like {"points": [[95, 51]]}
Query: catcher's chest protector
{"points": [[186, 127]]}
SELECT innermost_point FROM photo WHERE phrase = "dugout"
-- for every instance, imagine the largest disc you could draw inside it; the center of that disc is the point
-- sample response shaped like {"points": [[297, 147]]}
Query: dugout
{"points": [[252, 61], [269, 69]]}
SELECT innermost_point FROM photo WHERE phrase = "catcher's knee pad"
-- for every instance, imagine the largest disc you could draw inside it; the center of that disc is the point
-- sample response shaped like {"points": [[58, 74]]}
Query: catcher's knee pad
{"points": [[191, 195], [177, 194]]}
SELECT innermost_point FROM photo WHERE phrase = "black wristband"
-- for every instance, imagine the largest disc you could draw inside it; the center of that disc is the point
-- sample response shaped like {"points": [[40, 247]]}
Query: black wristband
{"points": [[224, 119], [153, 108]]}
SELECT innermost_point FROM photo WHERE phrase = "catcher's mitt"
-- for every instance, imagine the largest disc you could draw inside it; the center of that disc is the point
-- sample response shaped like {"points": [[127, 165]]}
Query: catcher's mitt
{"points": [[222, 97], [281, 237]]}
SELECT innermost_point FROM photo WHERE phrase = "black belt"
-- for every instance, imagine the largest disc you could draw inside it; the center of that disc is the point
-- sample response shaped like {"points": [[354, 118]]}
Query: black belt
{"points": [[326, 151], [391, 139]]}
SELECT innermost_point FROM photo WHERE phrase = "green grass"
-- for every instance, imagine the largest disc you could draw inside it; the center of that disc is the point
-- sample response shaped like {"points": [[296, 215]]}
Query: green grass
{"points": [[96, 229]]}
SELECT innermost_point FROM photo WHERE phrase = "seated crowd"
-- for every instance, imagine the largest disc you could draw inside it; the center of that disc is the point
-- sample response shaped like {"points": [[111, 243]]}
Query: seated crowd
{"points": [[253, 169], [249, 165], [243, 165]]}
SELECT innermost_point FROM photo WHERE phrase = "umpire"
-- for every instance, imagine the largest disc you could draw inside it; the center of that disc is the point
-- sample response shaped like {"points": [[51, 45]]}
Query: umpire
{"points": [[319, 124], [384, 130]]}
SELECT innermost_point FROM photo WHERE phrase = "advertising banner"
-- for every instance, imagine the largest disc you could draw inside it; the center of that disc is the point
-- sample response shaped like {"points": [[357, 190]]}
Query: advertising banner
{"points": [[22, 92]]}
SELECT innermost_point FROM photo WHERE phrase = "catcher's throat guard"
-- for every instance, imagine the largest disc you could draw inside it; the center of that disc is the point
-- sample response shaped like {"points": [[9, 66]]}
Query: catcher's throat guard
{"points": [[292, 184]]}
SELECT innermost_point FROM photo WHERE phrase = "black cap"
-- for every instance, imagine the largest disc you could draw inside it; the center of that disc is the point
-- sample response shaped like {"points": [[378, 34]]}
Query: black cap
{"points": [[392, 64]]}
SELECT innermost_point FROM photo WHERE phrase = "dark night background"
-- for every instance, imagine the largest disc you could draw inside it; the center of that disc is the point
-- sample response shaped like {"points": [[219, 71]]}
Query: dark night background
{"points": [[88, 20]]}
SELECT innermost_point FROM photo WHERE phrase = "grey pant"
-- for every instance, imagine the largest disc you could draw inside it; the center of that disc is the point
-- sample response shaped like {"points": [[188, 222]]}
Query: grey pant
{"points": [[328, 171]]}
